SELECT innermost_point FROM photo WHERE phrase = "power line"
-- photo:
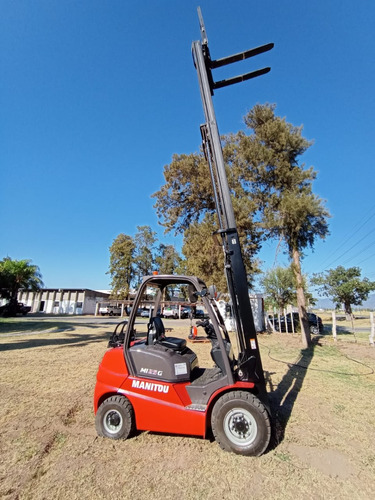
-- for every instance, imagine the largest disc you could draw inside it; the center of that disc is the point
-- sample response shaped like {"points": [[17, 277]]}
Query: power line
{"points": [[372, 244], [348, 239], [367, 258], [348, 250]]}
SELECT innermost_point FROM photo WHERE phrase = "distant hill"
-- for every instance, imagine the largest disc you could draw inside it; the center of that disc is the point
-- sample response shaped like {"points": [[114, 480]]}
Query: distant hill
{"points": [[370, 303], [328, 304]]}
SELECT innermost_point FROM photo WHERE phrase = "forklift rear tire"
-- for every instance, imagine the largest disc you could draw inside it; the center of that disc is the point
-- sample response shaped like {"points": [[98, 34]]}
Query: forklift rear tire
{"points": [[115, 418], [240, 423]]}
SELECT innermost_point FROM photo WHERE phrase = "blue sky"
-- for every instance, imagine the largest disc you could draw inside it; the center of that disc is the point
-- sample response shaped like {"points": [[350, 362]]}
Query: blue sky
{"points": [[96, 96]]}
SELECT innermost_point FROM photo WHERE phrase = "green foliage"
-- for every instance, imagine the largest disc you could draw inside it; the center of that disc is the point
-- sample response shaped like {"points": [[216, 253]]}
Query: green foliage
{"points": [[121, 267], [271, 193], [16, 274], [269, 158], [186, 194], [279, 284], [203, 257], [131, 258], [167, 259], [204, 254], [279, 287], [290, 211], [144, 261], [344, 286]]}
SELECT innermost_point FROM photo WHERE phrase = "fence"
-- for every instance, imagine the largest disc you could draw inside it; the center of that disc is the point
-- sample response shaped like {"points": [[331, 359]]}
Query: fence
{"points": [[361, 329]]}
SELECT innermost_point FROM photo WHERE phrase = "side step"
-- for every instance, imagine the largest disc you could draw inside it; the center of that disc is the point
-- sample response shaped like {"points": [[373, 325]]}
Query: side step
{"points": [[196, 407]]}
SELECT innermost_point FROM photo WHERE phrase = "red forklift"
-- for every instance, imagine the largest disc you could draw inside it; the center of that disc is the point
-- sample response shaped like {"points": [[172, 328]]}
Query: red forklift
{"points": [[151, 381]]}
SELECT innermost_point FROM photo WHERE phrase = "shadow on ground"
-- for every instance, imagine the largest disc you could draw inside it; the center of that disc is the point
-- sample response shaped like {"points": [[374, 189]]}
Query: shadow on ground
{"points": [[71, 339], [32, 326], [283, 397], [341, 330]]}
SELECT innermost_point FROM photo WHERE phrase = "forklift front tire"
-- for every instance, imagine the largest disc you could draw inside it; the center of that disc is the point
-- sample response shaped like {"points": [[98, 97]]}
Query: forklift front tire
{"points": [[240, 423], [115, 418]]}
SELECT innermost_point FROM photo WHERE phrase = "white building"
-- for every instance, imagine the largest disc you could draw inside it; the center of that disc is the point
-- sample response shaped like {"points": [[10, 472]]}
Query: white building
{"points": [[62, 300]]}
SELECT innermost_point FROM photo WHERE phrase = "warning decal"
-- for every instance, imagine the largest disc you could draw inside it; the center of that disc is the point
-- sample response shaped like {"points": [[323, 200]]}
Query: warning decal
{"points": [[180, 368]]}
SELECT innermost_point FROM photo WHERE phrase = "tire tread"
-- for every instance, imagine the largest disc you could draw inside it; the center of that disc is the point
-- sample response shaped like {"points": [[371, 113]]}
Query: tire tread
{"points": [[128, 410], [218, 433]]}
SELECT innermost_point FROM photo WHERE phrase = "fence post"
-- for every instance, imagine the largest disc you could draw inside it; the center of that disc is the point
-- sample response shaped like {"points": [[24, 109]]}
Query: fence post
{"points": [[269, 323], [286, 322], [334, 333], [292, 321], [372, 334]]}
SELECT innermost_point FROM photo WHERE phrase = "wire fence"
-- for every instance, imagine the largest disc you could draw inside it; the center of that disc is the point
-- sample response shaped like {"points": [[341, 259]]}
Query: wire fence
{"points": [[361, 329], [335, 326]]}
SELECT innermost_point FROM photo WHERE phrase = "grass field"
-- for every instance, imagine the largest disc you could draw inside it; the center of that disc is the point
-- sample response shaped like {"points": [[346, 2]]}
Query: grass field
{"points": [[323, 408]]}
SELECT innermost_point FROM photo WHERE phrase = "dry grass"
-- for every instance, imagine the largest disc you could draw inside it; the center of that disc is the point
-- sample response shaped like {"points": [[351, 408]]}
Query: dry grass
{"points": [[324, 420]]}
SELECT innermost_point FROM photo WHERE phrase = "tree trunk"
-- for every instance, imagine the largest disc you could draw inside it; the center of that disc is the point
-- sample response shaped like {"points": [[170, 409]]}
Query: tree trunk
{"points": [[301, 300], [348, 311]]}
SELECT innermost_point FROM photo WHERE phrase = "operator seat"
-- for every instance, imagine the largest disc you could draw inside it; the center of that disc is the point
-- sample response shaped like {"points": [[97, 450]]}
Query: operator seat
{"points": [[156, 335]]}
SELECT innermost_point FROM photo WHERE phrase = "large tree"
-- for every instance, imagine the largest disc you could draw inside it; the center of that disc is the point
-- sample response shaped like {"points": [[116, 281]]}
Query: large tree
{"points": [[17, 274], [279, 287], [290, 211], [145, 240], [131, 258], [271, 192], [121, 267], [344, 286]]}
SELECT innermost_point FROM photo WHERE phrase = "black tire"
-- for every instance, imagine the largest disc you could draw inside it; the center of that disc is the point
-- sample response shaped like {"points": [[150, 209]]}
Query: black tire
{"points": [[240, 423], [115, 418]]}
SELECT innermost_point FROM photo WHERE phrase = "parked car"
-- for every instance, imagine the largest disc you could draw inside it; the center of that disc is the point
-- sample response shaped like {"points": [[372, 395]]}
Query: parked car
{"points": [[315, 322], [197, 313], [169, 312], [145, 313], [185, 312], [139, 312], [20, 308], [109, 309]]}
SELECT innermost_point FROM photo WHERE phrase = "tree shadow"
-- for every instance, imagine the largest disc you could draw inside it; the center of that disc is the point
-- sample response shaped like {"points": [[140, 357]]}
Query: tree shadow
{"points": [[72, 339], [24, 327], [283, 397]]}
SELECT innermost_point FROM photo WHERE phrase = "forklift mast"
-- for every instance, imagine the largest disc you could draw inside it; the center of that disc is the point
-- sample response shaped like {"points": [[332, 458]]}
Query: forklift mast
{"points": [[249, 360]]}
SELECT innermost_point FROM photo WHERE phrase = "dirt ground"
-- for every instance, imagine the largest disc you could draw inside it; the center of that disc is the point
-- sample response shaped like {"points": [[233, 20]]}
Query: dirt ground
{"points": [[323, 409]]}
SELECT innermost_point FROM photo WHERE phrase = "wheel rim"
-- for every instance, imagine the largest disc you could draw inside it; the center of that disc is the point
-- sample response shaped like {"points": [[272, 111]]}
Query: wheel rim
{"points": [[240, 427], [112, 421]]}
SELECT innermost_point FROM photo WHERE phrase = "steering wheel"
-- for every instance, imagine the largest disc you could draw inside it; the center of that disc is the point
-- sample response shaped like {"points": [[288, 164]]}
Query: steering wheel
{"points": [[208, 328]]}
